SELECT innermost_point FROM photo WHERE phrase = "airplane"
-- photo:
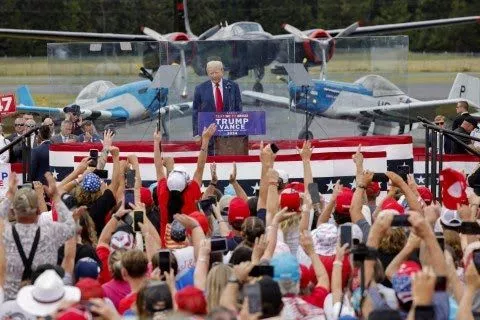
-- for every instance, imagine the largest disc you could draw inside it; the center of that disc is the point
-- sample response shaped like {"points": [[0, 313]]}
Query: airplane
{"points": [[106, 103], [189, 49]]}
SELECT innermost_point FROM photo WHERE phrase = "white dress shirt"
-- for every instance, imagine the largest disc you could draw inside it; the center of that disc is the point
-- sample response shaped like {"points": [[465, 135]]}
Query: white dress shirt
{"points": [[4, 157]]}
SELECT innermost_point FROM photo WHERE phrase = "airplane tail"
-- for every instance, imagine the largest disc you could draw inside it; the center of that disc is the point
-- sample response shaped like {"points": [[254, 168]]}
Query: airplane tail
{"points": [[466, 87], [24, 96]]}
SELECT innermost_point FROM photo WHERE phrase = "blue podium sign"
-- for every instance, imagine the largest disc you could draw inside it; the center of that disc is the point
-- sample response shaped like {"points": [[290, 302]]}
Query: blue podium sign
{"points": [[234, 123]]}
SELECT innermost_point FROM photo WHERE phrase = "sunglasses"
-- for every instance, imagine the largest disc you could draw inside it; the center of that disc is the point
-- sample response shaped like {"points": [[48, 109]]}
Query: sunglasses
{"points": [[19, 124], [31, 126], [439, 123]]}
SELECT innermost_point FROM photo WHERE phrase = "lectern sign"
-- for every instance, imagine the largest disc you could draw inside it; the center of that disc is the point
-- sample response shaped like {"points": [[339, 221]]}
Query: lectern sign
{"points": [[234, 123]]}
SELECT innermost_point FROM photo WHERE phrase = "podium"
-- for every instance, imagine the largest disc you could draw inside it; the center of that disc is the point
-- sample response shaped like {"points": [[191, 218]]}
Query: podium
{"points": [[227, 146]]}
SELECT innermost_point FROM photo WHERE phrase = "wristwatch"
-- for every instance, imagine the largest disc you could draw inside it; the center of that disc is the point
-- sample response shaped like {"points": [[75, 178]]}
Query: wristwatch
{"points": [[233, 279]]}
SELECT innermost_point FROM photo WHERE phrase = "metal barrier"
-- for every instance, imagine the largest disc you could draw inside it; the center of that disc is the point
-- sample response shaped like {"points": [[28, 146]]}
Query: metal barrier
{"points": [[434, 153], [26, 151]]}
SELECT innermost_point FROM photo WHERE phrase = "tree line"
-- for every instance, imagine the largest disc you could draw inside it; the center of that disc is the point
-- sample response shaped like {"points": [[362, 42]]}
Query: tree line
{"points": [[127, 16]]}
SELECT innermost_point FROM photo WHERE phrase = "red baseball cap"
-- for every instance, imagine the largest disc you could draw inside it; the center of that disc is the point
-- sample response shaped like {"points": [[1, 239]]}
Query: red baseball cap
{"points": [[201, 219], [290, 198], [425, 194], [373, 189], [392, 204], [90, 288], [73, 313], [344, 199], [191, 299], [454, 185], [238, 210], [146, 196], [297, 186]]}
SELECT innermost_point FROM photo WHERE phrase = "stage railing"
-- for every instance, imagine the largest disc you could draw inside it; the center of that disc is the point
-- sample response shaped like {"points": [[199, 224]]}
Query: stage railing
{"points": [[434, 153]]}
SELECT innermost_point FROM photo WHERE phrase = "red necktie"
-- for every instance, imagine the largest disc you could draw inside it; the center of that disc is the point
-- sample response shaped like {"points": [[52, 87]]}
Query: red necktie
{"points": [[218, 98]]}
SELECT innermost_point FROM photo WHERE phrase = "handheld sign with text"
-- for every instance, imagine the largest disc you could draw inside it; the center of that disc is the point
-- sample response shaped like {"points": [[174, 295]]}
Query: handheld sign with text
{"points": [[234, 123], [7, 104]]}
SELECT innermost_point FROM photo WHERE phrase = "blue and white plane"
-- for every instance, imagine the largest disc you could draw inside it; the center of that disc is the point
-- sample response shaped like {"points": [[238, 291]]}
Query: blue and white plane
{"points": [[106, 103], [371, 101]]}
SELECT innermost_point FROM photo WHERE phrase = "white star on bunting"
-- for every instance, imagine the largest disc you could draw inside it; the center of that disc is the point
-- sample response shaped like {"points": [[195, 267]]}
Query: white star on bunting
{"points": [[330, 185], [55, 174], [255, 188]]}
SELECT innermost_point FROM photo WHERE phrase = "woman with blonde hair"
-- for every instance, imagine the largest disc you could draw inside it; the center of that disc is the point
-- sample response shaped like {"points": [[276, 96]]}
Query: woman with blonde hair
{"points": [[217, 280]]}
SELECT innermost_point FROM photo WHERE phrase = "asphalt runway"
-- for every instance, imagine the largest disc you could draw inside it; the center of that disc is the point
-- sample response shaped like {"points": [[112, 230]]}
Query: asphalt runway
{"points": [[281, 123]]}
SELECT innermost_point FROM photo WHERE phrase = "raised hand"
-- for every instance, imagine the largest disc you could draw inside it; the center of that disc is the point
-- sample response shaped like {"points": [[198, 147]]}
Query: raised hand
{"points": [[306, 151], [233, 175], [358, 156], [209, 132]]}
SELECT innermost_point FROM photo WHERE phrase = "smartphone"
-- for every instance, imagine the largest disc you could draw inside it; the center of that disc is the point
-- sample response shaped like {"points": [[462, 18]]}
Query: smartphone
{"points": [[274, 147], [137, 218], [345, 235], [218, 244], [259, 271], [403, 171], [400, 220], [252, 291], [102, 174], [314, 194], [129, 179], [441, 283], [93, 158], [440, 239], [380, 177], [129, 198], [164, 261], [205, 206]]}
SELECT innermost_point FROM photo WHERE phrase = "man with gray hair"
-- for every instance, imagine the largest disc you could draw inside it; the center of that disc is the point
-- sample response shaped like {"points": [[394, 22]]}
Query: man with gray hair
{"points": [[65, 135], [215, 95]]}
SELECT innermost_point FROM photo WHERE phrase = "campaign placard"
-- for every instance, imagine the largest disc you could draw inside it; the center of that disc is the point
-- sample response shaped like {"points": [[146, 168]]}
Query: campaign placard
{"points": [[234, 123], [7, 104]]}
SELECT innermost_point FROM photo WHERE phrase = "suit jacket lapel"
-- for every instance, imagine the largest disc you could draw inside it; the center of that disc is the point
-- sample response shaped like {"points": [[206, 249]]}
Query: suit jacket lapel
{"points": [[226, 95], [211, 96]]}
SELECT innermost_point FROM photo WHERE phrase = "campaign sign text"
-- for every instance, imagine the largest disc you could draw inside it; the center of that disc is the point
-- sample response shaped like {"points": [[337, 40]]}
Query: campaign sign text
{"points": [[7, 104], [234, 123]]}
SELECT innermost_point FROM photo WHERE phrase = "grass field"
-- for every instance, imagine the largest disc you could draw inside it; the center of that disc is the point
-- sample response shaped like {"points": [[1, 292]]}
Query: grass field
{"points": [[414, 62]]}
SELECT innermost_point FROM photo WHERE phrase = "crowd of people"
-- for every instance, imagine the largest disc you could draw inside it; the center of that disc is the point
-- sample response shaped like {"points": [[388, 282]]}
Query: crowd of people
{"points": [[84, 248]]}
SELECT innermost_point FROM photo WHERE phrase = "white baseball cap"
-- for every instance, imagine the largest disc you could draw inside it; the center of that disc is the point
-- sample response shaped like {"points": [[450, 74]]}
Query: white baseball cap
{"points": [[178, 179]]}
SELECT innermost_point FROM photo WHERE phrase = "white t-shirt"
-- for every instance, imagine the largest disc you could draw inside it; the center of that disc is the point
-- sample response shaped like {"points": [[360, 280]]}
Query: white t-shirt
{"points": [[185, 259]]}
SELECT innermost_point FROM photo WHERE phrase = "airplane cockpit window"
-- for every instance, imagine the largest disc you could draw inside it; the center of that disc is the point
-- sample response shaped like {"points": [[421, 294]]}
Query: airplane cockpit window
{"points": [[379, 85], [94, 90], [249, 27]]}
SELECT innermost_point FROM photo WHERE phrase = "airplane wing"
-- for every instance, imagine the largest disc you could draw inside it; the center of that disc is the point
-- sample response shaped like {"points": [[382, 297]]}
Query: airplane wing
{"points": [[72, 36], [265, 97], [87, 114], [399, 27], [176, 110], [426, 109]]}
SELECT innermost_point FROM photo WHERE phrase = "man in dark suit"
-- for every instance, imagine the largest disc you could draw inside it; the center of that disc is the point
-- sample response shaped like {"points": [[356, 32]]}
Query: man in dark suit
{"points": [[65, 135], [462, 113], [40, 156], [215, 95]]}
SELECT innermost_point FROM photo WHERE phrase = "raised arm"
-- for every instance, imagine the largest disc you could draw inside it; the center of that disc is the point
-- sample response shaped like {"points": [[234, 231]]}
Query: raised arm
{"points": [[306, 155], [320, 272], [472, 281], [110, 227], [202, 157], [117, 173], [39, 191], [412, 200], [197, 232], [69, 182], [107, 143], [363, 179], [267, 158], [157, 155], [133, 160], [202, 265], [236, 186], [272, 198], [150, 234], [213, 182], [222, 224], [337, 288], [306, 211], [272, 231], [328, 210]]}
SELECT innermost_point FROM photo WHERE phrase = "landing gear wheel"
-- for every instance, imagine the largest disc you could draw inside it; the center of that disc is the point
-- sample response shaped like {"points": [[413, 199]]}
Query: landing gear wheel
{"points": [[305, 135]]}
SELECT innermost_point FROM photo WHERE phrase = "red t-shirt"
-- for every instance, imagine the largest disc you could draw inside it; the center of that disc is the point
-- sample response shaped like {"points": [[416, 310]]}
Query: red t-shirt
{"points": [[191, 194], [103, 253], [127, 303], [317, 296]]}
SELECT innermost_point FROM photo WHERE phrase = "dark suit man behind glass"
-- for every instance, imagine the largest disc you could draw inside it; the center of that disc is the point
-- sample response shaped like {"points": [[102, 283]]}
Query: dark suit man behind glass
{"points": [[215, 95], [40, 156], [462, 113]]}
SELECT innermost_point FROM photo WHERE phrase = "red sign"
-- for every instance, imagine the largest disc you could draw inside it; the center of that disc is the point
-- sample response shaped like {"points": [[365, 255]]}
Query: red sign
{"points": [[7, 104]]}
